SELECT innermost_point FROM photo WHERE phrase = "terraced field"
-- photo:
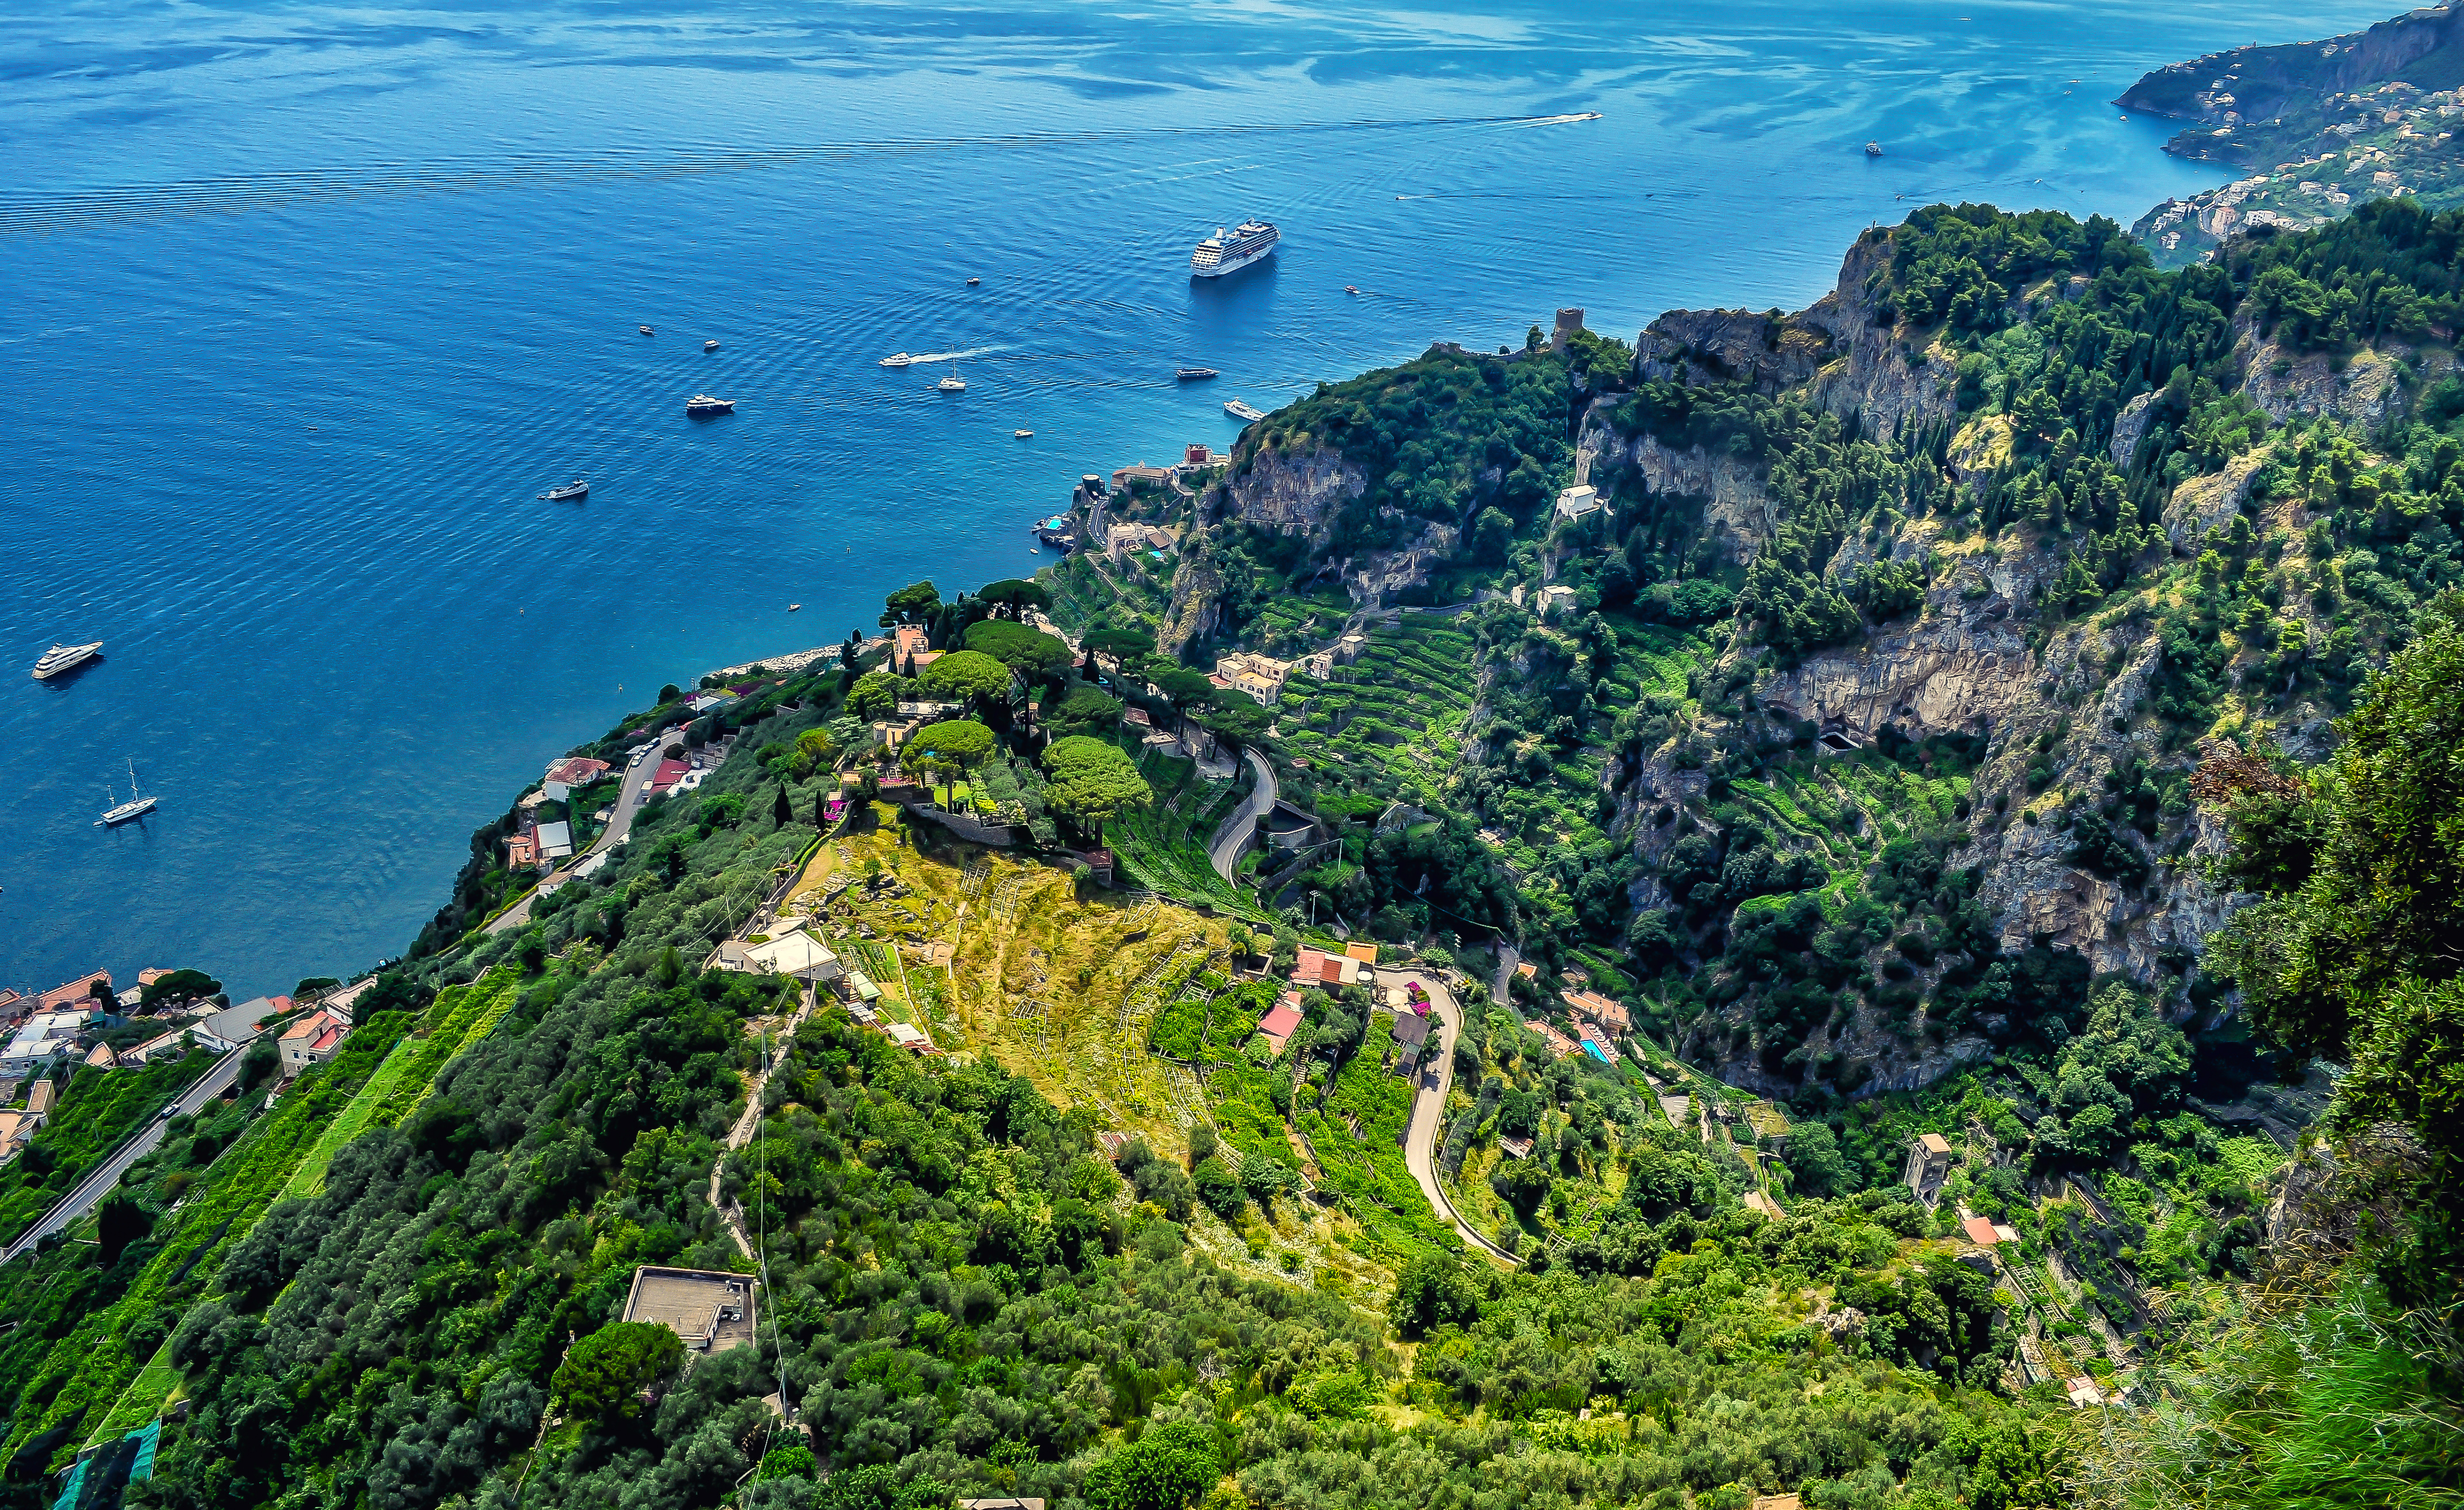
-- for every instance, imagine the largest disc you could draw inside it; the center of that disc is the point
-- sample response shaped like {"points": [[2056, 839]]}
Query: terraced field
{"points": [[1394, 722], [1163, 847], [460, 1016], [88, 1372]]}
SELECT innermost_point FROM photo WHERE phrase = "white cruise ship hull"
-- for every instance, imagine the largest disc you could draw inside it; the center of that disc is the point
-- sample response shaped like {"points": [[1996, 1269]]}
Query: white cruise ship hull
{"points": [[1234, 262]]}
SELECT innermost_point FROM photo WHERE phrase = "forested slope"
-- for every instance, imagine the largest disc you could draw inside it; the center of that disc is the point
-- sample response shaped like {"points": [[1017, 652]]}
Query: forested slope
{"points": [[1904, 745]]}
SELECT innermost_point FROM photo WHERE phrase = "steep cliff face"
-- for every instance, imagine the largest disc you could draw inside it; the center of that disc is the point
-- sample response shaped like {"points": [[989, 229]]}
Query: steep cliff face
{"points": [[1839, 349], [1291, 493], [1735, 501]]}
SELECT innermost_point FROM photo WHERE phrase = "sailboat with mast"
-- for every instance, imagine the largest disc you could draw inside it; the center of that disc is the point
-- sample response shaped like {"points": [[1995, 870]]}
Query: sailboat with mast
{"points": [[136, 806], [953, 383]]}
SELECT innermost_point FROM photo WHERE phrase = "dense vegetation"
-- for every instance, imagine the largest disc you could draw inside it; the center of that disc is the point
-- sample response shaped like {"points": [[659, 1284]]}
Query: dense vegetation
{"points": [[400, 1284]]}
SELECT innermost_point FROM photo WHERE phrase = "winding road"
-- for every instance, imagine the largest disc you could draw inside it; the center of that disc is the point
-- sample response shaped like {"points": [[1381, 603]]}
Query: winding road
{"points": [[100, 1180], [1437, 1081], [1223, 852], [628, 801]]}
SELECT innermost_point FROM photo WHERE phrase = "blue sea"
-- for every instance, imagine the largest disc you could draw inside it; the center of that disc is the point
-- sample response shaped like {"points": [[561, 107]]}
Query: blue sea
{"points": [[305, 304]]}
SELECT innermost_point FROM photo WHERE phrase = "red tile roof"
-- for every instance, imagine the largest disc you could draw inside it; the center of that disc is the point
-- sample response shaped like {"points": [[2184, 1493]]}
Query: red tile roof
{"points": [[1280, 1022], [576, 771], [1980, 1232]]}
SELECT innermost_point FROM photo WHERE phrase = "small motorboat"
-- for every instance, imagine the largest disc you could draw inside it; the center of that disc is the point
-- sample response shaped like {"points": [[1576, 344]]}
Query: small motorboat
{"points": [[710, 345], [1193, 374], [1873, 149], [1034, 550], [898, 359], [1024, 434], [701, 406], [973, 281], [575, 489], [647, 331], [1349, 289], [793, 607]]}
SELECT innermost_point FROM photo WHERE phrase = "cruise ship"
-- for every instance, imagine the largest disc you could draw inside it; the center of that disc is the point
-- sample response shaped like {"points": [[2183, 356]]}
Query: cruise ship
{"points": [[1229, 252], [65, 657]]}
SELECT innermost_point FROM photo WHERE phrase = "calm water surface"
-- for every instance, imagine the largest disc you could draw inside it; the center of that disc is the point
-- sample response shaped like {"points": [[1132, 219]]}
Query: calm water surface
{"points": [[306, 305]]}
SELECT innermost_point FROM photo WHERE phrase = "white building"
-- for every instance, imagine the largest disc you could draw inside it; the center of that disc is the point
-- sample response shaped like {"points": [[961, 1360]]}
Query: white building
{"points": [[40, 1037], [1578, 501]]}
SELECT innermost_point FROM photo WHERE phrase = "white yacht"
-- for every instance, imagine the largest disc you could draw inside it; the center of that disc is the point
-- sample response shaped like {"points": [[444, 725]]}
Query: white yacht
{"points": [[1230, 251], [953, 383], [898, 359], [120, 813], [1247, 413], [65, 657]]}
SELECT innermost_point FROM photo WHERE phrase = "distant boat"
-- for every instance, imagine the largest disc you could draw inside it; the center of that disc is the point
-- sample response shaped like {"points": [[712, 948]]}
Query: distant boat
{"points": [[1244, 412], [65, 657], [702, 406], [953, 383], [973, 281], [793, 607], [1024, 434], [136, 806], [1349, 289], [647, 331], [1873, 149], [710, 345], [1193, 374], [575, 489], [899, 359]]}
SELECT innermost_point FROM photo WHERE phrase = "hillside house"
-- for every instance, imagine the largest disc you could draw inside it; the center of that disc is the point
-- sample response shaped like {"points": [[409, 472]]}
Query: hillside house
{"points": [[227, 1029], [1280, 1022], [1929, 1166], [313, 1039], [1261, 677], [1325, 972], [1606, 1015], [571, 774], [41, 1038]]}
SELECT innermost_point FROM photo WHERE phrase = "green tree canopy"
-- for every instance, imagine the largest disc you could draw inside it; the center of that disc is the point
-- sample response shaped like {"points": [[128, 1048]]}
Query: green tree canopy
{"points": [[1087, 710], [1235, 717], [967, 674], [962, 742], [1107, 640], [1165, 1469], [1030, 652], [1186, 688], [602, 1375], [2364, 861], [181, 985], [1013, 597], [913, 604], [1092, 781], [875, 693], [1433, 1291]]}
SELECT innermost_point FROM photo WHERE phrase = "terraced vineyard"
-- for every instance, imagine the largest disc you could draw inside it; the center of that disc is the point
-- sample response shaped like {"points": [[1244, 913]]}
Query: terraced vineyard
{"points": [[1163, 847], [1394, 722], [460, 1016], [88, 1370]]}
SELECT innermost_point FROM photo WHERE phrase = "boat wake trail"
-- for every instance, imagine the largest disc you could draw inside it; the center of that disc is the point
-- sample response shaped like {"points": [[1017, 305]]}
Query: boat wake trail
{"points": [[71, 211]]}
